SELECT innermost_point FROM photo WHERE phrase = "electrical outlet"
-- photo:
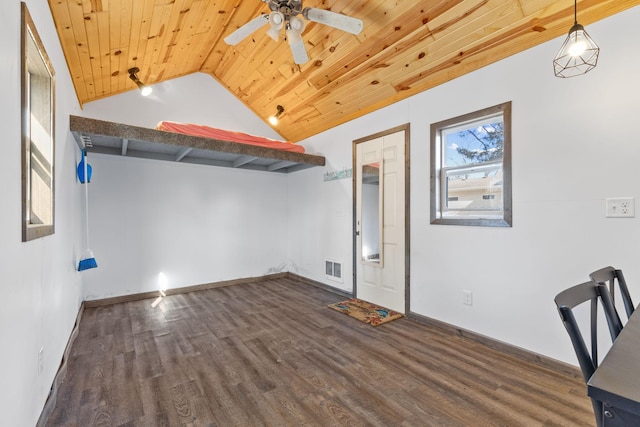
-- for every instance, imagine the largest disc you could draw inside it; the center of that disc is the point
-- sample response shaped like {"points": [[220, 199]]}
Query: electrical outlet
{"points": [[40, 360], [620, 207], [467, 297]]}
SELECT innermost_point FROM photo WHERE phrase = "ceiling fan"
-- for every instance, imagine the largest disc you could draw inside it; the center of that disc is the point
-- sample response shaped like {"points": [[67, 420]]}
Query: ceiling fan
{"points": [[284, 14]]}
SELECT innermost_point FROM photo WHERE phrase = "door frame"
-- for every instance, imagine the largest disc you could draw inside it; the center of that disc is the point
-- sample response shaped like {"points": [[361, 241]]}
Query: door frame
{"points": [[407, 224]]}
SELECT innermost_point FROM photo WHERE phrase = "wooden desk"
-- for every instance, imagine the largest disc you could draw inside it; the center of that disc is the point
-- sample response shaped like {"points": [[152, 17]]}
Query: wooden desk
{"points": [[616, 382]]}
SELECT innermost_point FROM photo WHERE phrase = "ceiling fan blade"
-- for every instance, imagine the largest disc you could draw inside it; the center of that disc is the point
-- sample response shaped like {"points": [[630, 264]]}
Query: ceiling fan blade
{"points": [[333, 19], [241, 33], [296, 44]]}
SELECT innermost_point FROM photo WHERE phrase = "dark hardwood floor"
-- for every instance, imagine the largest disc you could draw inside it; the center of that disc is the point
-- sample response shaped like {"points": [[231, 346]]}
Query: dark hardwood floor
{"points": [[272, 354]]}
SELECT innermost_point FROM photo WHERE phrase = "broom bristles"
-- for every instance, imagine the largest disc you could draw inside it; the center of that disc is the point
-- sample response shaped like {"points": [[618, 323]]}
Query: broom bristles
{"points": [[87, 262]]}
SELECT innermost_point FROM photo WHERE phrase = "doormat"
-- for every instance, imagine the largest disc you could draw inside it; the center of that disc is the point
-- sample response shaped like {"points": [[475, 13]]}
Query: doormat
{"points": [[366, 312]]}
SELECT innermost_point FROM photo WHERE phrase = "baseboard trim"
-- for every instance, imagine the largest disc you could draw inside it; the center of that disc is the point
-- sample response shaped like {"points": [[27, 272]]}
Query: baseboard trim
{"points": [[50, 404], [527, 355], [176, 291], [102, 302], [320, 285]]}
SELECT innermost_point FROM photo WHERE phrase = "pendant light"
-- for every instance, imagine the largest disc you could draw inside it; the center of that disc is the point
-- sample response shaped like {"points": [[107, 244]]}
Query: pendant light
{"points": [[578, 54]]}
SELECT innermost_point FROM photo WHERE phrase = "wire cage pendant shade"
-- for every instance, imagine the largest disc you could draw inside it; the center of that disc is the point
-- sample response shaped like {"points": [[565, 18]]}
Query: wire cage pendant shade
{"points": [[578, 54]]}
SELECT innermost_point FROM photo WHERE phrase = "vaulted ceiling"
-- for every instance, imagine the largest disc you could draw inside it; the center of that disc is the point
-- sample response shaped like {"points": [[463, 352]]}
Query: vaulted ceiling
{"points": [[406, 47]]}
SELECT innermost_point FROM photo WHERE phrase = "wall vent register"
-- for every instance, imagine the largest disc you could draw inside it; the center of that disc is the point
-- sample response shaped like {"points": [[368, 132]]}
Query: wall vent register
{"points": [[333, 270]]}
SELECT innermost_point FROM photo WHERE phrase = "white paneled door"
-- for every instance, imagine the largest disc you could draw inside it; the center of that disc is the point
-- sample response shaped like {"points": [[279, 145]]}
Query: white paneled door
{"points": [[380, 220]]}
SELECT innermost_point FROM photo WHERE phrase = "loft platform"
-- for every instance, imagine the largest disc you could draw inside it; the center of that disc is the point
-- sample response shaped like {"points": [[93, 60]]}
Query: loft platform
{"points": [[104, 137]]}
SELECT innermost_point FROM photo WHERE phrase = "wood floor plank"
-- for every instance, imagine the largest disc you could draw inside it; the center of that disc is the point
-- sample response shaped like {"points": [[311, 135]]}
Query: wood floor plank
{"points": [[271, 353], [125, 394]]}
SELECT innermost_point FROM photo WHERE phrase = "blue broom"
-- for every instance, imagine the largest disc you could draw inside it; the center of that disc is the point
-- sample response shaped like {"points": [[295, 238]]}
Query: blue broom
{"points": [[84, 175]]}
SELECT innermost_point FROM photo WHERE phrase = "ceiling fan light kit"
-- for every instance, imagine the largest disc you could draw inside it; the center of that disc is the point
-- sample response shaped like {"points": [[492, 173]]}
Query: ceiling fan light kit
{"points": [[578, 54], [294, 30], [276, 21], [284, 13]]}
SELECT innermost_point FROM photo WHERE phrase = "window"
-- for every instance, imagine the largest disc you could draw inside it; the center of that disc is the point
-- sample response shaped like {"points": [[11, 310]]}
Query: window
{"points": [[471, 168], [37, 134]]}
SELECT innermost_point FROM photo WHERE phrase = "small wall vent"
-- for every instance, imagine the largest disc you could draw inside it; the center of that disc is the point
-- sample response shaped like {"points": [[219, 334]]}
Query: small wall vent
{"points": [[333, 270]]}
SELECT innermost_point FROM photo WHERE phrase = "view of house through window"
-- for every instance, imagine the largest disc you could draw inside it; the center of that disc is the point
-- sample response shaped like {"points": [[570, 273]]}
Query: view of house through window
{"points": [[471, 168]]}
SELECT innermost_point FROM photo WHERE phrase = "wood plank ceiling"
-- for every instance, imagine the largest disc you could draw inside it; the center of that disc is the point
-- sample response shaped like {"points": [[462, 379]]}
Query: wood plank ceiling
{"points": [[406, 47]]}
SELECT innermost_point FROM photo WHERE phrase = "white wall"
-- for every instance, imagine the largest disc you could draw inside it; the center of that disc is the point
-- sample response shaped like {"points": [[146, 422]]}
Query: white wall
{"points": [[40, 288], [575, 143], [194, 224], [196, 98]]}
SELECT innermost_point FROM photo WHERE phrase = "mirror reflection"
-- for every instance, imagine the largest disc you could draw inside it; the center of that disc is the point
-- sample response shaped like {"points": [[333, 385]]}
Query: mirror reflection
{"points": [[371, 219]]}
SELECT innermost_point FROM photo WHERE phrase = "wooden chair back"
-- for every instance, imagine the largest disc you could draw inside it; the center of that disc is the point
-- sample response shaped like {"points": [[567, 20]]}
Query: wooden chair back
{"points": [[612, 277], [589, 292]]}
